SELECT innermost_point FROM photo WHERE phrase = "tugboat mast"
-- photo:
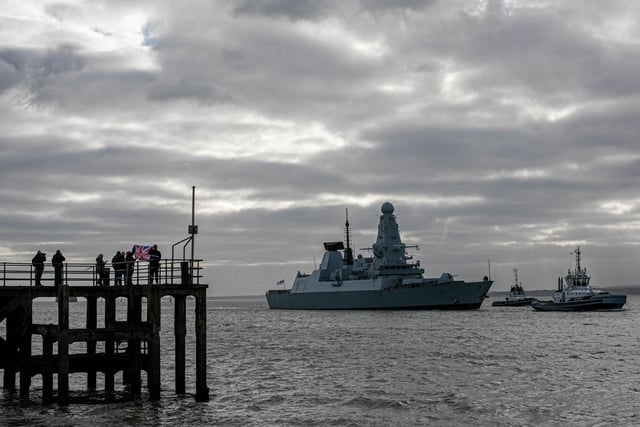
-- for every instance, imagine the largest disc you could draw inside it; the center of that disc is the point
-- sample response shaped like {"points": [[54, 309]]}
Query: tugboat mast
{"points": [[577, 252]]}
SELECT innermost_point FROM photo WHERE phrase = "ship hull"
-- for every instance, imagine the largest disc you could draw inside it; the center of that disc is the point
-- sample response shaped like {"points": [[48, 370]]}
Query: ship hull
{"points": [[446, 296], [611, 302]]}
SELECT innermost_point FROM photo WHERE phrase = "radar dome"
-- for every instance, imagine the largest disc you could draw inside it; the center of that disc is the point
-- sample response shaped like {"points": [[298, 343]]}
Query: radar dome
{"points": [[387, 208]]}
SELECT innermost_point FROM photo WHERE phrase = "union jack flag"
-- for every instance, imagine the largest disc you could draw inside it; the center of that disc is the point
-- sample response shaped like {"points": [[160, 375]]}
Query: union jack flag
{"points": [[141, 252]]}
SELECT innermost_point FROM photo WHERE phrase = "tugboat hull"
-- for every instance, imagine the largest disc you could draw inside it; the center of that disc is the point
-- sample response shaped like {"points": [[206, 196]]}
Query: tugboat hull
{"points": [[611, 302], [514, 303], [446, 296]]}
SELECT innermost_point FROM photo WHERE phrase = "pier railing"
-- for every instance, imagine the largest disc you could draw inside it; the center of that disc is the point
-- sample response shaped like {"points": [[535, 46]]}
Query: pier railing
{"points": [[170, 272]]}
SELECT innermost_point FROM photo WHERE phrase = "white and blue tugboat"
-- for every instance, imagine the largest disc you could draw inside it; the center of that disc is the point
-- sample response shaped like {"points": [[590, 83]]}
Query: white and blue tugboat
{"points": [[575, 294], [384, 281], [517, 297]]}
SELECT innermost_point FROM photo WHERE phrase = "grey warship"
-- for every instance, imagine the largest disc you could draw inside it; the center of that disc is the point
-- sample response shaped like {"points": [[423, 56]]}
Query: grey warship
{"points": [[384, 281]]}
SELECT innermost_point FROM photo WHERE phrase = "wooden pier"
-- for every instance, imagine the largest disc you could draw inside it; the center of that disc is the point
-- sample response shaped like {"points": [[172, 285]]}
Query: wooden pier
{"points": [[101, 352]]}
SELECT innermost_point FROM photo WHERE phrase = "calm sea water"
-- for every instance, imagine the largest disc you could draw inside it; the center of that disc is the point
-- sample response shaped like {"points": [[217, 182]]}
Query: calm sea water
{"points": [[491, 367]]}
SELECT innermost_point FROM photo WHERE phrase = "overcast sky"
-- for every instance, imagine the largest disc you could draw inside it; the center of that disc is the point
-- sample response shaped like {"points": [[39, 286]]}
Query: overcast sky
{"points": [[503, 131]]}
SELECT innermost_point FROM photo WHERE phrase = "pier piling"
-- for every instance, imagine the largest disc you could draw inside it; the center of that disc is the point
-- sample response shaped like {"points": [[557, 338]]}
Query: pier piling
{"points": [[116, 346]]}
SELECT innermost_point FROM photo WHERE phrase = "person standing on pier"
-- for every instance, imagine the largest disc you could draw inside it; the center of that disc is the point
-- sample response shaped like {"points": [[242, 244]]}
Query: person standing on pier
{"points": [[38, 265], [57, 261], [101, 270], [130, 262], [118, 266], [154, 264]]}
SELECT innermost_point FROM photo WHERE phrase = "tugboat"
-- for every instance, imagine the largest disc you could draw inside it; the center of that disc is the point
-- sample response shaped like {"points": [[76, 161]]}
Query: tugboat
{"points": [[516, 297], [575, 294], [385, 280]]}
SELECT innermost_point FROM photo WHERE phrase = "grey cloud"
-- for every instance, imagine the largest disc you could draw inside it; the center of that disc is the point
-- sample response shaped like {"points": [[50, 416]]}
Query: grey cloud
{"points": [[543, 53], [182, 89], [43, 62], [382, 5], [61, 11], [79, 92], [290, 9], [267, 66], [9, 74], [34, 66]]}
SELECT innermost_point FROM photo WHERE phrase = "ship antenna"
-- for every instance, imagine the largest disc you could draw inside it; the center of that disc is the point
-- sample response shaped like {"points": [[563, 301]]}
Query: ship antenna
{"points": [[348, 252]]}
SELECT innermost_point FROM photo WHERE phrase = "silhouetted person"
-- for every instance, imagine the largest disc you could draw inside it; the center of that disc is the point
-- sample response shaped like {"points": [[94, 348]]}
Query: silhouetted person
{"points": [[101, 269], [118, 266], [154, 264], [57, 261], [38, 265], [130, 262]]}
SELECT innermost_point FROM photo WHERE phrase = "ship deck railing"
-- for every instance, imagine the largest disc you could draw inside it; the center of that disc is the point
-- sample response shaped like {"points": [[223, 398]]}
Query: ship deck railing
{"points": [[86, 274]]}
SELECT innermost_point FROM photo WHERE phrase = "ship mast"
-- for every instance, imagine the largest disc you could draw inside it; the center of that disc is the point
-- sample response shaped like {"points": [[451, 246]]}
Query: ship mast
{"points": [[348, 253], [577, 252]]}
